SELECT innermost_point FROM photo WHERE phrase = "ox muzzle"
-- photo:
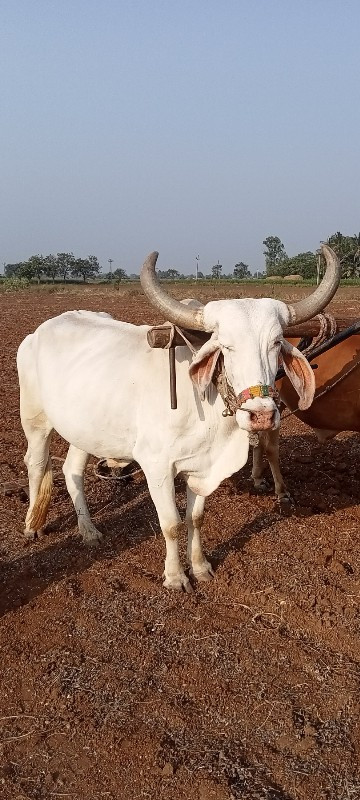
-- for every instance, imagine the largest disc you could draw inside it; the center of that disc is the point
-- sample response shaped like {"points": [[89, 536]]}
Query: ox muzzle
{"points": [[262, 419], [256, 408], [256, 416]]}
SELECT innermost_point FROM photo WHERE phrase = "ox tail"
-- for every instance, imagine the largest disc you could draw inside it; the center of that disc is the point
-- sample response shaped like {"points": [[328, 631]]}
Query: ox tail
{"points": [[38, 514]]}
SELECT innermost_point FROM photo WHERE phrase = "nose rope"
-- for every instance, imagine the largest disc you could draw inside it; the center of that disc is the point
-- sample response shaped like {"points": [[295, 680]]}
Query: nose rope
{"points": [[233, 402]]}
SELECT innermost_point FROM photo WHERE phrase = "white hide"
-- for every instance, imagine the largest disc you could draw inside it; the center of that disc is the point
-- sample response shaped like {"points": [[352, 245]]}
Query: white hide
{"points": [[97, 382], [106, 392]]}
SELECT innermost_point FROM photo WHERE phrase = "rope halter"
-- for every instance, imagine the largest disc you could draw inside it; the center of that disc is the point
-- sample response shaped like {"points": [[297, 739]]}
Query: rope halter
{"points": [[233, 402]]}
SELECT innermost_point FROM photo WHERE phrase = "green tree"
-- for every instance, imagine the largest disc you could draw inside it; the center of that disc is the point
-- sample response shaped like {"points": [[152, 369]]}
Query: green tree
{"points": [[274, 254], [65, 263], [216, 271], [12, 270], [32, 268], [304, 264], [356, 255], [51, 267], [169, 274], [241, 271], [37, 264], [347, 249], [119, 274], [26, 271], [86, 268], [94, 266], [173, 274]]}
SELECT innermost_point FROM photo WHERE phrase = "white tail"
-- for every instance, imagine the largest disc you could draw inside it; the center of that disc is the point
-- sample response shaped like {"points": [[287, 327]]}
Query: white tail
{"points": [[37, 517]]}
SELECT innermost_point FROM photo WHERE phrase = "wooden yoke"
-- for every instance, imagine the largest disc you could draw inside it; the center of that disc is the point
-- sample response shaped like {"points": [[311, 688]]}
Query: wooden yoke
{"points": [[167, 337], [159, 335]]}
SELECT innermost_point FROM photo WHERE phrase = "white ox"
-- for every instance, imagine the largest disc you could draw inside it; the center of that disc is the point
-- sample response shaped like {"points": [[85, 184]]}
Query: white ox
{"points": [[97, 383]]}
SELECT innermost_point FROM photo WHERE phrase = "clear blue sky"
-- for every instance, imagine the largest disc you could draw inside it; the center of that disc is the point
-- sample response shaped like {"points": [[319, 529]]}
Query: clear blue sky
{"points": [[192, 127]]}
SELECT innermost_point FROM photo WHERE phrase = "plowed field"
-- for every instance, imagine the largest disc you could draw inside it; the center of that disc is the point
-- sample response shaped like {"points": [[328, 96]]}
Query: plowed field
{"points": [[112, 687]]}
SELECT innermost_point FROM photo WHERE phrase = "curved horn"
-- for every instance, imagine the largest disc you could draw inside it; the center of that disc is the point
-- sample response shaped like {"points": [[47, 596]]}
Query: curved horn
{"points": [[173, 310], [316, 302]]}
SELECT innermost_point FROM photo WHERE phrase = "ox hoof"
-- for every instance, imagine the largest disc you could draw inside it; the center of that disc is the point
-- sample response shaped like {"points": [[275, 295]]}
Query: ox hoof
{"points": [[261, 487], [90, 535], [178, 582], [30, 536], [285, 504], [204, 572], [33, 536]]}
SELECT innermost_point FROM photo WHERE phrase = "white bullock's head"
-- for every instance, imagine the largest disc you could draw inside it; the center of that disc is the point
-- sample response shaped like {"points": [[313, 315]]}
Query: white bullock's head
{"points": [[248, 335]]}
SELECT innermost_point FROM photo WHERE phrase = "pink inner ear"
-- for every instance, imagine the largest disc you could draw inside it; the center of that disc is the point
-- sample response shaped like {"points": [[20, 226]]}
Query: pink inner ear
{"points": [[202, 372], [301, 376]]}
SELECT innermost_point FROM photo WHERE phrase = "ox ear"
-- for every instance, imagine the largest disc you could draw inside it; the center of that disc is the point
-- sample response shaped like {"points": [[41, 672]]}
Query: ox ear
{"points": [[299, 372], [204, 363]]}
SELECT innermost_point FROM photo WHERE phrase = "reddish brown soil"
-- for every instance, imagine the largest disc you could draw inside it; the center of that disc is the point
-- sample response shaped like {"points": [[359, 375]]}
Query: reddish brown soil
{"points": [[112, 687]]}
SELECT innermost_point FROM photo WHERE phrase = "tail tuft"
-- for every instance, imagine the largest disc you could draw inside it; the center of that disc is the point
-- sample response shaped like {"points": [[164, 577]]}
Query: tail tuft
{"points": [[42, 502]]}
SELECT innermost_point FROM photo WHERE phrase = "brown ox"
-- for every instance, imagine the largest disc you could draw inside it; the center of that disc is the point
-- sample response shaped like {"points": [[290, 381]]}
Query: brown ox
{"points": [[336, 410]]}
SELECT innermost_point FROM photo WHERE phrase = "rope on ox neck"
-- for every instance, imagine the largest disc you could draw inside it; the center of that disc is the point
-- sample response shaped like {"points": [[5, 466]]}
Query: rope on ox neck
{"points": [[327, 329], [181, 333]]}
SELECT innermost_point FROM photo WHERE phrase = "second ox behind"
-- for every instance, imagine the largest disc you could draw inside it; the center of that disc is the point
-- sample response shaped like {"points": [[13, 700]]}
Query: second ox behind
{"points": [[335, 408], [97, 383]]}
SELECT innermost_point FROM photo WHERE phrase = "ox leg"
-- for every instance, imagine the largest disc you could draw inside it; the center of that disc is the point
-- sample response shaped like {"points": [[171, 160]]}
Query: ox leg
{"points": [[259, 466], [324, 434], [164, 500], [73, 469], [201, 569], [38, 432], [269, 446], [272, 455]]}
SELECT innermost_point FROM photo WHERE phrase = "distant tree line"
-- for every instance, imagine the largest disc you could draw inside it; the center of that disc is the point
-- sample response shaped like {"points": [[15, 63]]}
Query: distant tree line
{"points": [[54, 267], [240, 271], [64, 266]]}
